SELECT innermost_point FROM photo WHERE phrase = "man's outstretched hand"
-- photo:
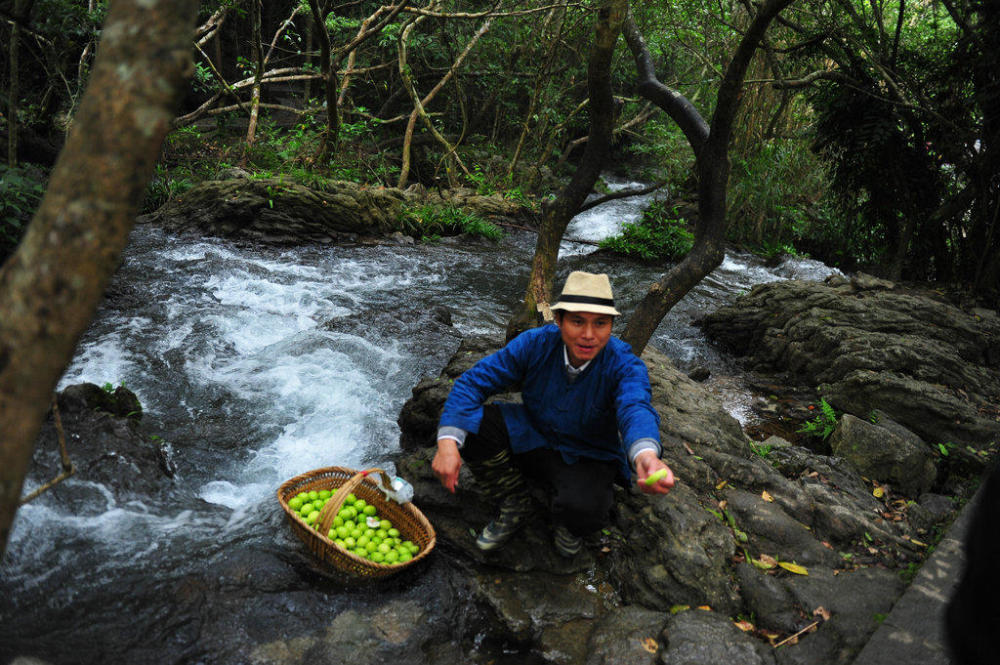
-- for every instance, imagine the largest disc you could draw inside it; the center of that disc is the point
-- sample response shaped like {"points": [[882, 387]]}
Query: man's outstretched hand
{"points": [[647, 463], [447, 463]]}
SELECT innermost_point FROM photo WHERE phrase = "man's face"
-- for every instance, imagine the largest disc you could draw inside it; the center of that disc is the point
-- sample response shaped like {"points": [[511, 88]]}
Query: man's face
{"points": [[585, 334]]}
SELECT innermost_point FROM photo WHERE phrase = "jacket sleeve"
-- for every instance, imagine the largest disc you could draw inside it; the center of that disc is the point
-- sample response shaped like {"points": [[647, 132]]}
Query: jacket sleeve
{"points": [[637, 419], [491, 375]]}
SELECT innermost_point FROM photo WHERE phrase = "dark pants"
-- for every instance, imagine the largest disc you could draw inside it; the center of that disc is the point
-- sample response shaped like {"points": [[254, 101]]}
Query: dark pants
{"points": [[581, 492]]}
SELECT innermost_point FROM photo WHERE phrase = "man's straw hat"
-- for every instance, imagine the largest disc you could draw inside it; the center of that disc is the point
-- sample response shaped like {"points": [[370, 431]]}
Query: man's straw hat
{"points": [[587, 292]]}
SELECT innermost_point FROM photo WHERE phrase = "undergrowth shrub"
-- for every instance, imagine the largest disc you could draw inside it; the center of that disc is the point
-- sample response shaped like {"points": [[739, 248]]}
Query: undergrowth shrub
{"points": [[428, 222], [659, 234]]}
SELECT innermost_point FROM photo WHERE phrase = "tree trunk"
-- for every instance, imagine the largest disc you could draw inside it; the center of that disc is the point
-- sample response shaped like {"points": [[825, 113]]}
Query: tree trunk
{"points": [[21, 10], [712, 164], [331, 137], [50, 287], [534, 309], [258, 51]]}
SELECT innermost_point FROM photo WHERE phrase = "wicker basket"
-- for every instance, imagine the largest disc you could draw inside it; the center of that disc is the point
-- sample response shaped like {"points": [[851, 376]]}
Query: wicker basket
{"points": [[406, 517]]}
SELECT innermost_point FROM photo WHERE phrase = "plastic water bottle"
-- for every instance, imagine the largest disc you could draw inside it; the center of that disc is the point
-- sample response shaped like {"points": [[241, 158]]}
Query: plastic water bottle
{"points": [[402, 490]]}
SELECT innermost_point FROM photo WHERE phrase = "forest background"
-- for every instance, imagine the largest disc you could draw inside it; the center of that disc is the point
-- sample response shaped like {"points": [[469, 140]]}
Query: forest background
{"points": [[865, 136]]}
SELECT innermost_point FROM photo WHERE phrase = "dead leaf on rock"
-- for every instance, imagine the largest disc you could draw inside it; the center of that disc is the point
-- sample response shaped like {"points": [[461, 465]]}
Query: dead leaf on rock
{"points": [[745, 626], [707, 608], [722, 484], [793, 568], [767, 497], [769, 560], [650, 645], [822, 612]]}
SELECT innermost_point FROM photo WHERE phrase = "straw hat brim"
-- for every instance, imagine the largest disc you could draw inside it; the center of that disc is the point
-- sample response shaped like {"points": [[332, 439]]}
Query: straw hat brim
{"points": [[585, 307]]}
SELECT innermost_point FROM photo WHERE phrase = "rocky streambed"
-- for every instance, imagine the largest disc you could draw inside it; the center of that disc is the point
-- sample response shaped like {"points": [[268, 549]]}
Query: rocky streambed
{"points": [[771, 549]]}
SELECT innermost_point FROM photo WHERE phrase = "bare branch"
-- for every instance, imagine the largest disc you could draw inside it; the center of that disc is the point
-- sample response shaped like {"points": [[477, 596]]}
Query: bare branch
{"points": [[623, 194]]}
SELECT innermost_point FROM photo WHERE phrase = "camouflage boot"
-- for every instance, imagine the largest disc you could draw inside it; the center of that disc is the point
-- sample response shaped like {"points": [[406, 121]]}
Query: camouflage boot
{"points": [[503, 484]]}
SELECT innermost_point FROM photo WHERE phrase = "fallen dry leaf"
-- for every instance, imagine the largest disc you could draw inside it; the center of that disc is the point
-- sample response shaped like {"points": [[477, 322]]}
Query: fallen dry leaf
{"points": [[707, 608], [793, 568], [722, 484], [767, 497], [650, 645], [826, 545], [769, 560], [822, 612], [745, 626]]}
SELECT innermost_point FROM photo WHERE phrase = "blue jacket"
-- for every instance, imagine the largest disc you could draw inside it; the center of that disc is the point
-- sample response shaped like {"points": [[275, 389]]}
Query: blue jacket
{"points": [[579, 419]]}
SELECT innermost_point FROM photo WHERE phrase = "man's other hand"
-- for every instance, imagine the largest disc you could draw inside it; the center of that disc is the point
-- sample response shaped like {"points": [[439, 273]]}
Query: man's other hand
{"points": [[646, 464], [447, 463]]}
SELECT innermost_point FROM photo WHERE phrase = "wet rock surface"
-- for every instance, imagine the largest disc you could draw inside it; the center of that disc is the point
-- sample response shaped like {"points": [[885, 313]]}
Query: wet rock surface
{"points": [[868, 345]]}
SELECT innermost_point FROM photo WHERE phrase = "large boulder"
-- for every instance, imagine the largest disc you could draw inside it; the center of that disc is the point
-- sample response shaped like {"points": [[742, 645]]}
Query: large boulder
{"points": [[881, 454], [870, 345], [107, 445], [277, 210]]}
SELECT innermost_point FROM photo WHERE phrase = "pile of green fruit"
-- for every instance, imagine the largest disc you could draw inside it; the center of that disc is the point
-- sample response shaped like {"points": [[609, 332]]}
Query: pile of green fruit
{"points": [[357, 528]]}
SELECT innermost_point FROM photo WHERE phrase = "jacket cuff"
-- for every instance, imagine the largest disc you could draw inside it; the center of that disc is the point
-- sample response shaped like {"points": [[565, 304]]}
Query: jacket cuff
{"points": [[456, 433], [638, 446]]}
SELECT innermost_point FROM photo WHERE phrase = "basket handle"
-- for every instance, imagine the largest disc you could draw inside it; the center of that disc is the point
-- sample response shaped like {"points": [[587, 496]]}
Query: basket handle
{"points": [[335, 503]]}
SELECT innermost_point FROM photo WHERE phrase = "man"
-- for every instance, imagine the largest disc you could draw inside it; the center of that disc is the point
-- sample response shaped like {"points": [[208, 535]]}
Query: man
{"points": [[586, 420]]}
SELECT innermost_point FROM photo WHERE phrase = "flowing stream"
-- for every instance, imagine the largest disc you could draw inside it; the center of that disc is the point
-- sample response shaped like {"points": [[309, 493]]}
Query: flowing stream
{"points": [[227, 347]]}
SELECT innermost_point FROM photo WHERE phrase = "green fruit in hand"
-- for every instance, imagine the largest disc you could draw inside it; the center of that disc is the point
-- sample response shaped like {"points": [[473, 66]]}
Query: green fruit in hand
{"points": [[656, 477]]}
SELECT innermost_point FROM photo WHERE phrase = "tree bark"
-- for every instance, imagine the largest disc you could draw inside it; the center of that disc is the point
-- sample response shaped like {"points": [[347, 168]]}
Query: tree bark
{"points": [[534, 309], [21, 10], [331, 137], [50, 287], [712, 164], [258, 51]]}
